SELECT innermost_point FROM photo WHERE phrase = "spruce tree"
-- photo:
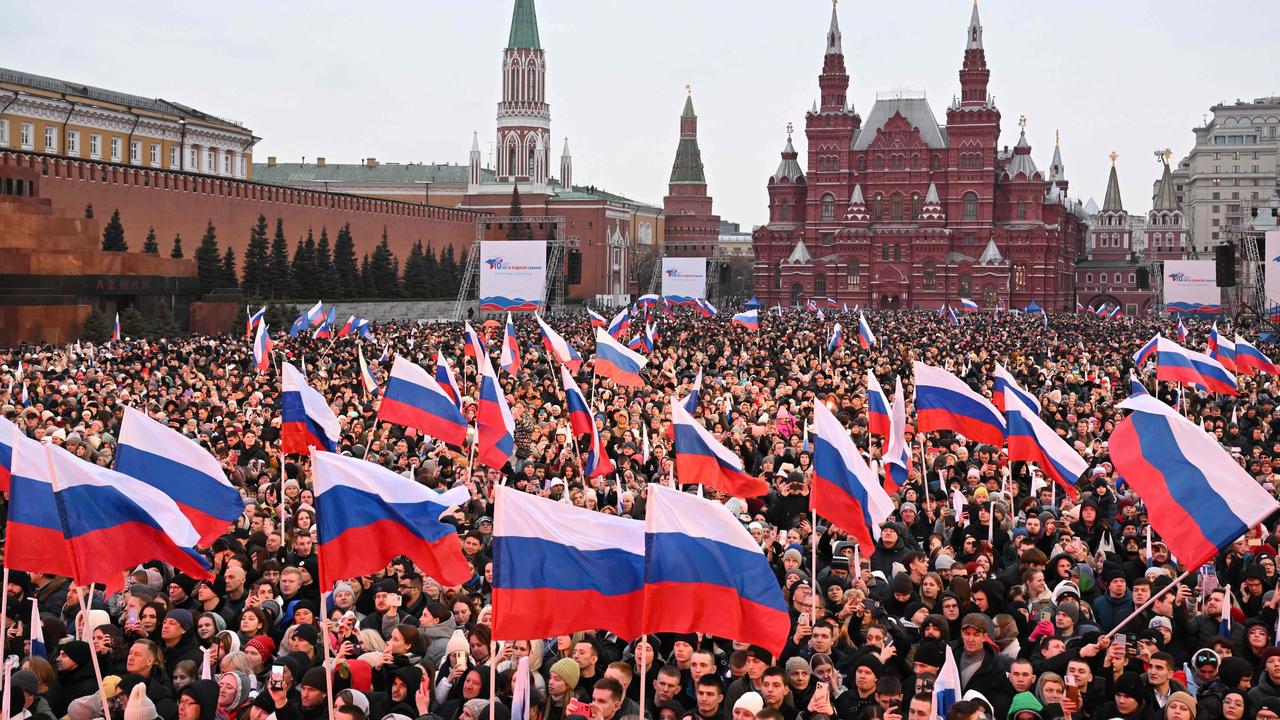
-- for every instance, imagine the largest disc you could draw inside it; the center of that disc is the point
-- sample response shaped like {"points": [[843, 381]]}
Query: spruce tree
{"points": [[256, 260], [279, 282], [414, 281], [304, 266], [88, 211], [113, 235], [97, 327], [326, 278], [344, 263], [229, 279], [176, 252], [517, 230], [209, 261], [382, 270], [366, 278], [151, 247], [430, 274], [449, 277], [132, 323]]}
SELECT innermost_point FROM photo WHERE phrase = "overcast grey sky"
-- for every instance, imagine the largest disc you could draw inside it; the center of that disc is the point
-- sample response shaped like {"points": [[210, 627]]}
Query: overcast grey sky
{"points": [[410, 81]]}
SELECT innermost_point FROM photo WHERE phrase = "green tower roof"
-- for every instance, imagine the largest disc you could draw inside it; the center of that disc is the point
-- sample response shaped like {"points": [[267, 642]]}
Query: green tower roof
{"points": [[524, 27], [688, 165], [688, 107]]}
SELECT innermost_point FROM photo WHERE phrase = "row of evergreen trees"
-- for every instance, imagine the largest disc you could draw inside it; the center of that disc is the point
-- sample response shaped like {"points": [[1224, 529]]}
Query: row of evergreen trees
{"points": [[317, 268]]}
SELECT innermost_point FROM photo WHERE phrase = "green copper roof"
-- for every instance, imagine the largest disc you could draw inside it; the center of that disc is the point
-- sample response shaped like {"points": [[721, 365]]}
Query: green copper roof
{"points": [[1111, 203], [524, 27], [688, 107], [688, 165]]}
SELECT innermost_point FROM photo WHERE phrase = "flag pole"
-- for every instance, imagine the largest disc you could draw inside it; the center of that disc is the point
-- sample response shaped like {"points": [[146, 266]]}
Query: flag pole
{"points": [[4, 613], [1150, 601], [324, 621], [93, 653], [813, 567]]}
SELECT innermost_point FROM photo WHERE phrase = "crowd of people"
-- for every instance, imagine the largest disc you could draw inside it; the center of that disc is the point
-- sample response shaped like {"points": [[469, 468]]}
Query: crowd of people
{"points": [[1023, 586]]}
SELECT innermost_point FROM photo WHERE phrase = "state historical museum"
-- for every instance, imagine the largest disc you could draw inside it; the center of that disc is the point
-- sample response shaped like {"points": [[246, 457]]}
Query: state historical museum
{"points": [[904, 212]]}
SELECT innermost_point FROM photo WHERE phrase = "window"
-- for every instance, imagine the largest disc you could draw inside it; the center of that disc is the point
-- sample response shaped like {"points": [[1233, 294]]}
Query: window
{"points": [[73, 142], [1022, 209], [965, 285], [784, 212], [852, 273], [820, 284], [915, 206], [895, 207], [25, 137], [210, 164], [930, 275], [95, 146], [240, 171], [135, 151], [155, 155], [115, 149], [192, 160], [1088, 278], [51, 139], [4, 133], [970, 239], [777, 275], [884, 251], [226, 164], [897, 251], [828, 207], [1133, 278], [877, 207], [970, 206], [862, 163], [1019, 276], [173, 157]]}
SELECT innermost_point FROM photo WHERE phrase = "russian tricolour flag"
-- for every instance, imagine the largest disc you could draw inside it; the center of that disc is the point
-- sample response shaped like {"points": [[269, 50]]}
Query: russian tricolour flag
{"points": [[1250, 360], [34, 541], [578, 410], [1005, 383], [262, 348], [7, 432], [648, 300], [946, 688], [1032, 440], [36, 627], [1182, 332], [620, 325], [1146, 351], [597, 320], [254, 319], [1198, 499], [897, 456], [866, 338], [558, 346], [176, 466], [968, 305], [367, 379], [702, 460], [837, 339], [705, 573], [749, 320], [446, 381], [1175, 363], [495, 427], [560, 569], [414, 399], [877, 407], [616, 362], [690, 401], [368, 514], [472, 345], [306, 420], [1222, 349], [315, 314], [845, 490], [945, 402], [112, 523], [509, 359]]}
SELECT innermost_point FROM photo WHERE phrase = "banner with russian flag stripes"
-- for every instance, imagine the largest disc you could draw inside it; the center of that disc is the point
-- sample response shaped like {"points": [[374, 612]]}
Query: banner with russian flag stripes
{"points": [[414, 399], [367, 515], [560, 569], [702, 460], [945, 402], [176, 466], [1198, 499], [703, 572], [306, 420], [845, 490]]}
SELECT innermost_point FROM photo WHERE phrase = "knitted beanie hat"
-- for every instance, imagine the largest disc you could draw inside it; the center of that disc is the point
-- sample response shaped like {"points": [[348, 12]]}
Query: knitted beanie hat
{"points": [[567, 669]]}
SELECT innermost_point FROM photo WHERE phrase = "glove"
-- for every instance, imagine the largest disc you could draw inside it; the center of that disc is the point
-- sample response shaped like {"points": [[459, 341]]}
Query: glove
{"points": [[1044, 628]]}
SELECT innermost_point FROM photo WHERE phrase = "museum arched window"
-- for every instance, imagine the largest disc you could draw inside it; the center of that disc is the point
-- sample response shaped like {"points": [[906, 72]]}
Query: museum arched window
{"points": [[828, 207], [971, 206], [930, 275]]}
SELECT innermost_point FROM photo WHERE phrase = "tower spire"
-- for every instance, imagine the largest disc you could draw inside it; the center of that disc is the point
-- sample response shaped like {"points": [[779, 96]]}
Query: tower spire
{"points": [[566, 167], [833, 33], [974, 73], [834, 81], [688, 165], [524, 27], [975, 29], [524, 118], [1111, 203]]}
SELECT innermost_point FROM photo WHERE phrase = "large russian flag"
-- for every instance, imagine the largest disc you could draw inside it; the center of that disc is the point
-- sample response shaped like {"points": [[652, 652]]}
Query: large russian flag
{"points": [[560, 569], [34, 541], [866, 338], [368, 515], [576, 403], [620, 325], [1175, 363], [1146, 351], [472, 344], [113, 523], [1031, 440], [1005, 383], [749, 320], [1198, 499], [845, 490], [1250, 360], [648, 300], [968, 305], [616, 362], [897, 454], [176, 466], [945, 402], [1222, 349], [877, 407], [414, 399], [704, 573], [446, 381], [495, 427], [558, 346], [598, 463], [306, 420], [597, 320], [702, 460], [7, 431]]}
